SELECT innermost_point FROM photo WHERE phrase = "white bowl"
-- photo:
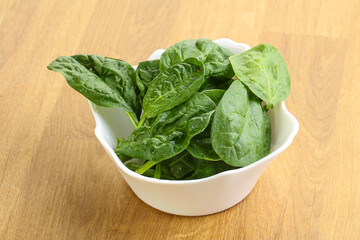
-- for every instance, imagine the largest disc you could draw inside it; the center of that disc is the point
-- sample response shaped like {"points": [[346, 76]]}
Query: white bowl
{"points": [[202, 196]]}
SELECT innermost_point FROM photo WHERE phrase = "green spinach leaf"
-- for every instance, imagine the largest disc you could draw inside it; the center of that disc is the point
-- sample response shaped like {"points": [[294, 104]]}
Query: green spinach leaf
{"points": [[225, 84], [148, 173], [145, 72], [214, 94], [200, 145], [179, 52], [208, 168], [263, 70], [216, 83], [240, 132], [105, 81], [180, 165], [122, 157], [216, 61], [215, 57], [170, 132], [172, 87]]}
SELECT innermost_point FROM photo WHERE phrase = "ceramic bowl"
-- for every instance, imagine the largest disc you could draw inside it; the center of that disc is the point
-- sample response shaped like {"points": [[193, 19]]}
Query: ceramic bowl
{"points": [[202, 196]]}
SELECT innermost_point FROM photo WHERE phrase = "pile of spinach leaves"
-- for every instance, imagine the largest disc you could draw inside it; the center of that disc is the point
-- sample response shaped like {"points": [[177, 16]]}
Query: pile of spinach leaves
{"points": [[197, 111]]}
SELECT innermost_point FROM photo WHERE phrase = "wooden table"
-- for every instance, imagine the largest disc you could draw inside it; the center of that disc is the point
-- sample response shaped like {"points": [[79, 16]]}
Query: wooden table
{"points": [[56, 181]]}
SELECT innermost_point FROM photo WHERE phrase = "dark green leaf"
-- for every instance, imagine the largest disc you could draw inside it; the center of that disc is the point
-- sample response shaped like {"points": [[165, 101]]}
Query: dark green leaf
{"points": [[225, 84], [173, 87], [148, 173], [179, 165], [208, 168], [171, 131], [215, 94], [216, 83], [215, 57], [216, 61], [122, 157], [179, 52], [263, 70], [200, 145], [240, 132], [105, 81], [145, 72]]}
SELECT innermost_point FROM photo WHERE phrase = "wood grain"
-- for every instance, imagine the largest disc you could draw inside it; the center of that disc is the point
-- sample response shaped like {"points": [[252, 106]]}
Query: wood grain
{"points": [[56, 182]]}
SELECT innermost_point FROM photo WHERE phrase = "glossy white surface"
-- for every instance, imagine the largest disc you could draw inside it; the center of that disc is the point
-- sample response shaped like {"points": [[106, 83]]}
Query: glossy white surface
{"points": [[202, 196]]}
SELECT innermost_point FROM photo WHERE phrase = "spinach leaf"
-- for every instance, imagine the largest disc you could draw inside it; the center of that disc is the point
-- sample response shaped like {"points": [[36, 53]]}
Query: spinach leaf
{"points": [[122, 157], [225, 84], [216, 83], [171, 131], [200, 145], [105, 81], [148, 173], [179, 52], [216, 61], [240, 132], [214, 94], [263, 70], [179, 165], [145, 72], [173, 87], [207, 168], [215, 57]]}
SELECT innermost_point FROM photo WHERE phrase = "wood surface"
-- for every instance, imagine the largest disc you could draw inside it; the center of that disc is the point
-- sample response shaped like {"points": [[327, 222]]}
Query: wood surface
{"points": [[56, 181]]}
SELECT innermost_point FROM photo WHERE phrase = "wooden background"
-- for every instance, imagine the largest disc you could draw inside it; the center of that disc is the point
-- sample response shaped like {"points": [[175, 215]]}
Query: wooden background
{"points": [[56, 181]]}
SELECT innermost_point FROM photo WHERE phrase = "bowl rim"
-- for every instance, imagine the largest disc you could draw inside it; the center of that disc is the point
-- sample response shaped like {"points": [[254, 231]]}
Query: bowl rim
{"points": [[121, 165]]}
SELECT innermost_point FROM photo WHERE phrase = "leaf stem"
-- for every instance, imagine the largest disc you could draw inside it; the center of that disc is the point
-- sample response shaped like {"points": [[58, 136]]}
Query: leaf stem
{"points": [[145, 167], [158, 171], [142, 120], [133, 118]]}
